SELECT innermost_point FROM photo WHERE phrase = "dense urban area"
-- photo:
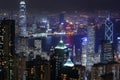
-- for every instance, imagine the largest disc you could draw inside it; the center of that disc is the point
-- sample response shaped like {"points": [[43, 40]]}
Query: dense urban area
{"points": [[61, 45]]}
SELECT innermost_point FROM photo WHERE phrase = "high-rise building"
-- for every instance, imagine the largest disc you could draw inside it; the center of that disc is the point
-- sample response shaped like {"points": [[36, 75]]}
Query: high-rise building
{"points": [[38, 69], [72, 72], [84, 51], [22, 19], [7, 50], [100, 71], [90, 46], [107, 54], [58, 58], [118, 47], [108, 29]]}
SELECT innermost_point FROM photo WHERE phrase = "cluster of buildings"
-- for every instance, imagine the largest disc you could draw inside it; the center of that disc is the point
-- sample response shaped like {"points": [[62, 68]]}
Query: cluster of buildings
{"points": [[18, 61]]}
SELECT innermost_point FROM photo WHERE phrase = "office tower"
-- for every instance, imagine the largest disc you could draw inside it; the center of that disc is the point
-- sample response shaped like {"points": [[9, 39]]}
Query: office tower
{"points": [[22, 46], [100, 71], [58, 58], [108, 29], [38, 69], [107, 54], [84, 51], [97, 70], [7, 50], [72, 72], [38, 46], [90, 46], [22, 18], [118, 47], [74, 54], [22, 37]]}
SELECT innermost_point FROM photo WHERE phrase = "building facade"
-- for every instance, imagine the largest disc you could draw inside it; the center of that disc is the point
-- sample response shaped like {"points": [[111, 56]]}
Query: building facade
{"points": [[57, 60], [107, 54], [8, 69]]}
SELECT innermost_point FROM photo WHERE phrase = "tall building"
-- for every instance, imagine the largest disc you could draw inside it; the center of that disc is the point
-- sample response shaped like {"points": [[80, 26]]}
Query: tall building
{"points": [[38, 69], [107, 54], [118, 47], [22, 19], [7, 50], [58, 58], [100, 71], [90, 46], [84, 51], [108, 29], [72, 72]]}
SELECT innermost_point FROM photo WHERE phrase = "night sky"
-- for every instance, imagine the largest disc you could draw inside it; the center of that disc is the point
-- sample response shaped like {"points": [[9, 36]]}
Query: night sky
{"points": [[51, 5]]}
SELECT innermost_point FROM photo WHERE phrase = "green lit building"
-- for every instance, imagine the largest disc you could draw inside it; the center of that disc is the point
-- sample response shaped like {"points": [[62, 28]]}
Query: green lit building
{"points": [[58, 58]]}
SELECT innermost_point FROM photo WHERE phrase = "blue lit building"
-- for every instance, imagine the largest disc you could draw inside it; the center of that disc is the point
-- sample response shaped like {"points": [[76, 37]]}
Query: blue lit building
{"points": [[108, 29]]}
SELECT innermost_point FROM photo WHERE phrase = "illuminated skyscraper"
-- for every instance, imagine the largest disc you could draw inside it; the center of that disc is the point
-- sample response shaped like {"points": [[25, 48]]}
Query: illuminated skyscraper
{"points": [[90, 46], [69, 63], [22, 18], [58, 59], [84, 51], [108, 29], [22, 39], [7, 50]]}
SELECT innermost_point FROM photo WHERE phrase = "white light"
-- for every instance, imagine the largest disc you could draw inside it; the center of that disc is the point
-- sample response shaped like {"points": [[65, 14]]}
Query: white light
{"points": [[62, 23], [61, 41], [44, 21], [118, 37], [22, 2], [71, 22], [69, 63], [67, 20], [61, 45], [108, 18]]}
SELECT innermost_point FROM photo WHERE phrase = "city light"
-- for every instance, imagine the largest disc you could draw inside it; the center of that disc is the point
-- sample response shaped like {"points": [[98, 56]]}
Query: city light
{"points": [[63, 43]]}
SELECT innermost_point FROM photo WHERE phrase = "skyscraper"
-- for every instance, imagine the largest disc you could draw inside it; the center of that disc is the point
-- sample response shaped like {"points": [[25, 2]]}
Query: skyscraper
{"points": [[107, 54], [22, 18], [7, 49], [108, 29], [84, 51], [90, 46], [58, 58]]}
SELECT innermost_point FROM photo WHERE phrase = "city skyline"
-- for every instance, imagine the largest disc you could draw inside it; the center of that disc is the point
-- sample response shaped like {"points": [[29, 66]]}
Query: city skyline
{"points": [[79, 41]]}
